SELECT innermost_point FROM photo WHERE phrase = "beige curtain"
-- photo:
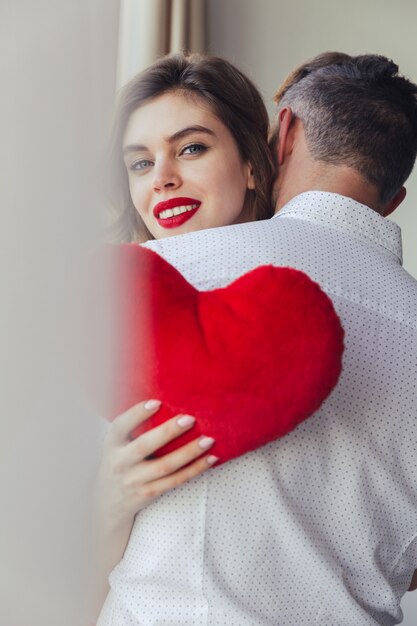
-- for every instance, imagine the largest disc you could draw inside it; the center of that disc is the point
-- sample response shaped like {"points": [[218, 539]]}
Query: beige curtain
{"points": [[151, 28]]}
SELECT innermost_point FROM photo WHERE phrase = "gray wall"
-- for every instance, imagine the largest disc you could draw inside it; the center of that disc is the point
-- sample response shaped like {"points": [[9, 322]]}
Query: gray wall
{"points": [[267, 38]]}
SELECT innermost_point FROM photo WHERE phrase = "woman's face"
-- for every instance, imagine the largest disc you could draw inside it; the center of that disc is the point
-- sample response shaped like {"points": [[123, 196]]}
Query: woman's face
{"points": [[184, 167]]}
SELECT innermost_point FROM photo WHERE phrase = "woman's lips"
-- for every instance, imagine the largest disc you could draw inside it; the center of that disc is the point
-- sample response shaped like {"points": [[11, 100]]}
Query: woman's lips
{"points": [[175, 212]]}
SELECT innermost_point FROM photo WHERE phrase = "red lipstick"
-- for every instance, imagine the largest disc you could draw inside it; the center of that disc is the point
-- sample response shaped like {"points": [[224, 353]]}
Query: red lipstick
{"points": [[175, 211]]}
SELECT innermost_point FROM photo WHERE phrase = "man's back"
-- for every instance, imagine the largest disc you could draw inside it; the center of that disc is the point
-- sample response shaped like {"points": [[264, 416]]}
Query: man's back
{"points": [[320, 527]]}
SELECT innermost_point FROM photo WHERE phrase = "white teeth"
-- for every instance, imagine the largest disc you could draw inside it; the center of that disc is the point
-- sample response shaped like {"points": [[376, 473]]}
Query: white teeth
{"points": [[176, 211], [167, 213]]}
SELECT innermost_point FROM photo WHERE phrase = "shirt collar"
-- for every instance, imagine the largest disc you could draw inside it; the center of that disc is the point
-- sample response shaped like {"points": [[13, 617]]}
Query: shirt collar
{"points": [[343, 213]]}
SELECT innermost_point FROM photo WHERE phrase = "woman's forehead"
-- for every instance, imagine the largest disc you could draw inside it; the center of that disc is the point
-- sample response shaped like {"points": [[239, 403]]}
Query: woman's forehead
{"points": [[166, 113]]}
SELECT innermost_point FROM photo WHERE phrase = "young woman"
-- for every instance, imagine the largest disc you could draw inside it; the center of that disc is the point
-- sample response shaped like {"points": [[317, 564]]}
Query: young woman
{"points": [[203, 117], [189, 152]]}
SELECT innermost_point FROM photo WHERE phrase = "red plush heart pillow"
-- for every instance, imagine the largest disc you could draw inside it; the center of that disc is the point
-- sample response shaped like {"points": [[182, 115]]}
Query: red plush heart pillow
{"points": [[250, 361]]}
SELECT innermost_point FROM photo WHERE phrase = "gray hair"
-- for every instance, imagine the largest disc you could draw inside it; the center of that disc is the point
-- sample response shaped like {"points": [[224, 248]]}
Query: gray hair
{"points": [[356, 111]]}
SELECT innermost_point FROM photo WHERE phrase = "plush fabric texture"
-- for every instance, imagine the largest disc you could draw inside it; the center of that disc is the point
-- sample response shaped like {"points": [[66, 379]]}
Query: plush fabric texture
{"points": [[250, 361]]}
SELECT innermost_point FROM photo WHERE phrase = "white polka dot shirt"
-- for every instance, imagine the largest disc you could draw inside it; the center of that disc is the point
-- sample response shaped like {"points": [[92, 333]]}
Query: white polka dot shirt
{"points": [[318, 528]]}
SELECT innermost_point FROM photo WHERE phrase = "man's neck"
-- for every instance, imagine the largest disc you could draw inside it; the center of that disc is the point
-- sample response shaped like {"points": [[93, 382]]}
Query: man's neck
{"points": [[332, 178]]}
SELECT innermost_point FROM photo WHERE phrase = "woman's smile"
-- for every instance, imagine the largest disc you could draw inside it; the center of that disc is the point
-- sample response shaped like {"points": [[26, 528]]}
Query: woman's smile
{"points": [[175, 211]]}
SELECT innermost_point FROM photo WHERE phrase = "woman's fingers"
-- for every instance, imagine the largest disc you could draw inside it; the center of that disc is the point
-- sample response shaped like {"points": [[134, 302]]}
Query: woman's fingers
{"points": [[172, 462], [155, 438], [127, 480], [122, 426], [155, 488]]}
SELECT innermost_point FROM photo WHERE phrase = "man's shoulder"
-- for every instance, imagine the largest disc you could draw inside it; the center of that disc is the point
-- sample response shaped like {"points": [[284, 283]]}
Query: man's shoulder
{"points": [[212, 236], [215, 257]]}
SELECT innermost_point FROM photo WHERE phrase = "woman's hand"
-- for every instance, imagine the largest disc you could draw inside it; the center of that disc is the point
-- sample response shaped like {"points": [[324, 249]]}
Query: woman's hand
{"points": [[128, 480]]}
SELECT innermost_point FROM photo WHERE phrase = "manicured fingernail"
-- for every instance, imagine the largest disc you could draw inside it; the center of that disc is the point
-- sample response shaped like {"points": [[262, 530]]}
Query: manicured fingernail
{"points": [[212, 459], [206, 442], [150, 405], [185, 420]]}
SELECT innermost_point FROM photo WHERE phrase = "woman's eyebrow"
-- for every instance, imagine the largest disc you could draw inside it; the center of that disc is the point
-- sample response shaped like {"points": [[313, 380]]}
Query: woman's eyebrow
{"points": [[188, 130], [134, 148], [180, 134]]}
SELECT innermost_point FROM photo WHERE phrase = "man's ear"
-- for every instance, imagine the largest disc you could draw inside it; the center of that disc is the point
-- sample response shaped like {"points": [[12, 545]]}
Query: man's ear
{"points": [[395, 202], [285, 139]]}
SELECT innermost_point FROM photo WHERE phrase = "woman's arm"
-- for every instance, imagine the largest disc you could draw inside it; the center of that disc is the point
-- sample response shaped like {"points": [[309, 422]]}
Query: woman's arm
{"points": [[128, 480]]}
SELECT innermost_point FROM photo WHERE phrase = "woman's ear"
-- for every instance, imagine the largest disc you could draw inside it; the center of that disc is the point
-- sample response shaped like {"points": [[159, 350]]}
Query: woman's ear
{"points": [[285, 139], [251, 178]]}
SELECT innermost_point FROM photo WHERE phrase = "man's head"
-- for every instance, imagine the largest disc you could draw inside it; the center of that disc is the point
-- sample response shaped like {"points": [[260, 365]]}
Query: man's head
{"points": [[356, 113]]}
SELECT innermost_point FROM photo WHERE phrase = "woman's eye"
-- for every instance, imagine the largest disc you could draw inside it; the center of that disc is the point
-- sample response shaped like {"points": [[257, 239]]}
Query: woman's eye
{"points": [[142, 164], [194, 148]]}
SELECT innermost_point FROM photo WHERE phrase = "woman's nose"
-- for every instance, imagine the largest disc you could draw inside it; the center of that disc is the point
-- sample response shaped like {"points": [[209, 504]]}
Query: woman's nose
{"points": [[166, 176]]}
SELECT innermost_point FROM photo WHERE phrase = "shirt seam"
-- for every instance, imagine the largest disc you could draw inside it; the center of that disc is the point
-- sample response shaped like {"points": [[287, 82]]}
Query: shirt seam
{"points": [[347, 229], [404, 549], [390, 314]]}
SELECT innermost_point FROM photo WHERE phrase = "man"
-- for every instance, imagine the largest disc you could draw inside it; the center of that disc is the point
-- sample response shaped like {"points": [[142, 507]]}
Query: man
{"points": [[319, 527]]}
